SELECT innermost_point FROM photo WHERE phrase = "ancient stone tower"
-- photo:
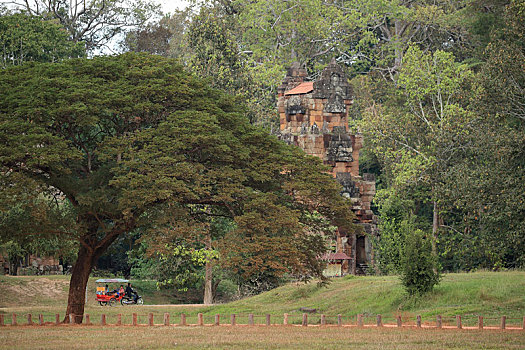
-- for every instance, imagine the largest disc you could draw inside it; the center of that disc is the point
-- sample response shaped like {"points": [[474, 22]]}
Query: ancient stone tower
{"points": [[314, 116]]}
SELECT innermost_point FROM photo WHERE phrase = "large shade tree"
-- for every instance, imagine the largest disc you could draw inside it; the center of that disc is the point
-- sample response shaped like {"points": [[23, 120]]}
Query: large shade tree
{"points": [[120, 140]]}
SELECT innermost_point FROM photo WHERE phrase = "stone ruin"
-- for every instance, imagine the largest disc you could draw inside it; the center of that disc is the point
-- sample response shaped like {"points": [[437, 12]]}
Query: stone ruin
{"points": [[31, 265], [314, 116]]}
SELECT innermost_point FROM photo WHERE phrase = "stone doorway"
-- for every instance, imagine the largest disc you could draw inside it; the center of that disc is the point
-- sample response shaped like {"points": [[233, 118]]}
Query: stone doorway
{"points": [[361, 250]]}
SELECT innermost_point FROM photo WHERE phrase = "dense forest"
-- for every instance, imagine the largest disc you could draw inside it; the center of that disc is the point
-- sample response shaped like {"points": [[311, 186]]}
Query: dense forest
{"points": [[439, 95]]}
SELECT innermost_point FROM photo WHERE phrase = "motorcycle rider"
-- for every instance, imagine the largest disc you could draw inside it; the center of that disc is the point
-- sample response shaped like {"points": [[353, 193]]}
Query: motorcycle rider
{"points": [[130, 293]]}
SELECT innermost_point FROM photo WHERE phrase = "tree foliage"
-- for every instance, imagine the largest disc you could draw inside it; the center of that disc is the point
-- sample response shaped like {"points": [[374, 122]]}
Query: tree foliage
{"points": [[26, 38], [464, 154], [93, 22], [485, 187], [167, 37], [419, 130]]}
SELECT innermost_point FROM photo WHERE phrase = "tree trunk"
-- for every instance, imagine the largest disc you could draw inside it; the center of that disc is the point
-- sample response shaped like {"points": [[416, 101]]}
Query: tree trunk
{"points": [[13, 267], [86, 259], [353, 266], [214, 288], [435, 226], [208, 292], [208, 278], [398, 51], [77, 285]]}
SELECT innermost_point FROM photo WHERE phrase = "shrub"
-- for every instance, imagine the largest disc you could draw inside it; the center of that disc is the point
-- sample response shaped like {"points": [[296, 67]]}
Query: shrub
{"points": [[419, 266]]}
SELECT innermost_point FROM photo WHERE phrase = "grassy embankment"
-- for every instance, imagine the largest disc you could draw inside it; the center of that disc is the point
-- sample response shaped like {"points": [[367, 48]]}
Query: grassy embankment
{"points": [[490, 294], [485, 293]]}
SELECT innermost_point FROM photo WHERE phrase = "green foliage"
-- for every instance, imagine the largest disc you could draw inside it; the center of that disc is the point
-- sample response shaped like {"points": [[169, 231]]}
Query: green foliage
{"points": [[179, 267], [92, 22], [175, 266], [24, 215], [421, 127], [17, 249], [275, 33], [419, 266], [167, 37], [15, 253], [416, 136], [142, 266], [26, 38], [400, 215], [464, 153], [485, 186], [215, 51], [389, 246]]}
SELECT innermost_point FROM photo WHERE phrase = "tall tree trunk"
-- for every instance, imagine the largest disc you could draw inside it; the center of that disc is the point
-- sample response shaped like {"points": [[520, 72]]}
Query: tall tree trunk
{"points": [[208, 285], [435, 226], [77, 285], [208, 278], [86, 259], [353, 255]]}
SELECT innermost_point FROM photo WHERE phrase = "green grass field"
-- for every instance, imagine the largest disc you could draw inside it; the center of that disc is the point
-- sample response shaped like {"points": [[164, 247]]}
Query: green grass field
{"points": [[490, 294]]}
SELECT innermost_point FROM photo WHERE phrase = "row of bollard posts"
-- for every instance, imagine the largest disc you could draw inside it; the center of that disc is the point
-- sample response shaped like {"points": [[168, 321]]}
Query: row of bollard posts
{"points": [[233, 320], [183, 322]]}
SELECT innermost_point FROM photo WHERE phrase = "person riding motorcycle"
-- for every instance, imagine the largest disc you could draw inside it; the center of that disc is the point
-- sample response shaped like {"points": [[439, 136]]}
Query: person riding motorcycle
{"points": [[130, 293]]}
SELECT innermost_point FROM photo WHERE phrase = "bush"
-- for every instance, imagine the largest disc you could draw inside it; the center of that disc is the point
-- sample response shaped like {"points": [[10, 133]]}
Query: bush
{"points": [[419, 266]]}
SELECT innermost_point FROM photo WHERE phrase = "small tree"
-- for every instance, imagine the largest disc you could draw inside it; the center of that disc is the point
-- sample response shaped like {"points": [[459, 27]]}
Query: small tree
{"points": [[419, 266]]}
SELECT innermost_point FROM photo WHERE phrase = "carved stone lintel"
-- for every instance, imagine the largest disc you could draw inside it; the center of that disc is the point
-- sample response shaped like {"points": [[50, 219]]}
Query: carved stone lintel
{"points": [[335, 104], [340, 151], [331, 83], [340, 148], [350, 190], [294, 105]]}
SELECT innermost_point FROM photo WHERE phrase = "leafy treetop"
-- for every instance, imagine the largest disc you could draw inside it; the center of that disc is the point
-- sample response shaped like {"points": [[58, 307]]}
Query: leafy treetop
{"points": [[30, 38]]}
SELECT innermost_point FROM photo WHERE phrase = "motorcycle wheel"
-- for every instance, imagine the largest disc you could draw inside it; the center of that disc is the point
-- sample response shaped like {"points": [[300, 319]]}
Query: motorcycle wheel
{"points": [[124, 301], [140, 301], [102, 303], [112, 302]]}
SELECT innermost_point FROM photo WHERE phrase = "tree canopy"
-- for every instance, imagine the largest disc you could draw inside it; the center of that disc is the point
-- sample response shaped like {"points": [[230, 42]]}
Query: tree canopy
{"points": [[93, 22], [30, 38], [447, 133]]}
